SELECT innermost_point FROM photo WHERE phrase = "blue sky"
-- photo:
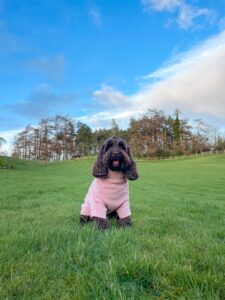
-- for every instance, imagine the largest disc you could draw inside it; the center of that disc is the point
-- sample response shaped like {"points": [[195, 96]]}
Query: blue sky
{"points": [[98, 60]]}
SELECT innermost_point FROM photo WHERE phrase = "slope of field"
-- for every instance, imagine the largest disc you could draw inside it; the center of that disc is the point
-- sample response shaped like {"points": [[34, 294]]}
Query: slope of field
{"points": [[175, 249]]}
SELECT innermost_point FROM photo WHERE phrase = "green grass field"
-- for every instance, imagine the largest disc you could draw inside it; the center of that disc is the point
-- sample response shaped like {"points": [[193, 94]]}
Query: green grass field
{"points": [[175, 249]]}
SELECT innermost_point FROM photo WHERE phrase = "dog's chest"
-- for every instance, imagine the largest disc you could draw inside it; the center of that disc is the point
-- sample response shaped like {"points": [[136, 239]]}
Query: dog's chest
{"points": [[111, 192]]}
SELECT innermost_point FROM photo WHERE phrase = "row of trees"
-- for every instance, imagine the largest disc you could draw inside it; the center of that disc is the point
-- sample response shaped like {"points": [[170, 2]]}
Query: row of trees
{"points": [[152, 134], [157, 134]]}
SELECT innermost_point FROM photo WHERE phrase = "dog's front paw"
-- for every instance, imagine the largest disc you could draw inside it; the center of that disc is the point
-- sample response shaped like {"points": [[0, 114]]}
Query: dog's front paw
{"points": [[84, 219], [125, 222], [100, 223]]}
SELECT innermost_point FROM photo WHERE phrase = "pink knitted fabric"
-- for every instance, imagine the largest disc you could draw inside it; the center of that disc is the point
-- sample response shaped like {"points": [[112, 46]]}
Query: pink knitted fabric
{"points": [[106, 195]]}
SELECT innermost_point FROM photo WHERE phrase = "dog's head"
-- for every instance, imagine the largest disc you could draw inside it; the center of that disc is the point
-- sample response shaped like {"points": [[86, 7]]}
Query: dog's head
{"points": [[115, 155]]}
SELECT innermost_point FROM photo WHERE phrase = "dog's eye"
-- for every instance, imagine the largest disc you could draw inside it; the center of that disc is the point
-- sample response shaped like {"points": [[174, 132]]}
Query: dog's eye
{"points": [[122, 146], [110, 144]]}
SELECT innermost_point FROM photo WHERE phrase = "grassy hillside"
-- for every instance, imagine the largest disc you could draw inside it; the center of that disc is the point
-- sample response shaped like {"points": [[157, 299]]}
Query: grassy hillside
{"points": [[175, 249]]}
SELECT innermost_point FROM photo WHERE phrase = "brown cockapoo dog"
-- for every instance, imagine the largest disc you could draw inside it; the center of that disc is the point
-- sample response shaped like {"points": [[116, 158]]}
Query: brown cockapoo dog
{"points": [[108, 194]]}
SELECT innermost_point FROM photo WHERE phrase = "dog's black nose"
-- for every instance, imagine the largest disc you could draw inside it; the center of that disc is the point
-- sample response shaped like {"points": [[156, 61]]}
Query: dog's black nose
{"points": [[115, 154]]}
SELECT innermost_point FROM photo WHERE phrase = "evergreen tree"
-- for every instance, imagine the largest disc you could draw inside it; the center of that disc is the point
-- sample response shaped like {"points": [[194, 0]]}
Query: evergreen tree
{"points": [[177, 131]]}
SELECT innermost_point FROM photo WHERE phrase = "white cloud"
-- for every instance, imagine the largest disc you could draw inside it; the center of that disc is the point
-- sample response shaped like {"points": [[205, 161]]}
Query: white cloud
{"points": [[188, 13], [103, 119], [192, 82], [161, 5], [110, 96], [185, 14]]}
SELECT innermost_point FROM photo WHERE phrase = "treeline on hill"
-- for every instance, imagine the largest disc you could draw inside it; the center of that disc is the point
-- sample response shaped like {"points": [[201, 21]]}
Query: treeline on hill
{"points": [[153, 134]]}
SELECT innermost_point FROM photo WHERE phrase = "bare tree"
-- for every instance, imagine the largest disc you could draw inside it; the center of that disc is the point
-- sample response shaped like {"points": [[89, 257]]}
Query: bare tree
{"points": [[200, 137], [148, 134]]}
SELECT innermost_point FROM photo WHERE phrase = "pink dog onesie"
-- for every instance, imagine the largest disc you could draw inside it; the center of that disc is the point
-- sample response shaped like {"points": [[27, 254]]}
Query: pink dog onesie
{"points": [[106, 195]]}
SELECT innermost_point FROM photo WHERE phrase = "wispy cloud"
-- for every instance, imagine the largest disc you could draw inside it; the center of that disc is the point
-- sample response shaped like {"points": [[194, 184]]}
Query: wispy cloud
{"points": [[42, 103], [103, 119], [52, 68], [96, 15], [161, 5], [192, 82], [186, 15], [109, 96]]}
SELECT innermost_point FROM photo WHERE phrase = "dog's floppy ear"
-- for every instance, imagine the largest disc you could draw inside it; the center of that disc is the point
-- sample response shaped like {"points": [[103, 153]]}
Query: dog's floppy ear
{"points": [[100, 170], [131, 171]]}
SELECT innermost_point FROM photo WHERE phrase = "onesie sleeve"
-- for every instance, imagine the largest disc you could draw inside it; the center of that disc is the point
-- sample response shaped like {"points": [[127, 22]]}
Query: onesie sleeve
{"points": [[98, 209], [124, 210]]}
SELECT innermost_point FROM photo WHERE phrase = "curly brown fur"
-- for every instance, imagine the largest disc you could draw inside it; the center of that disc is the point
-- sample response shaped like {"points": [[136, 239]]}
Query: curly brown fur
{"points": [[100, 169], [115, 155], [125, 222], [84, 219], [100, 223]]}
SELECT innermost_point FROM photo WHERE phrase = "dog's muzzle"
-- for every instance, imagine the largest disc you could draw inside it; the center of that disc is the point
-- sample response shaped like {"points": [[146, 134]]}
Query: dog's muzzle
{"points": [[116, 160]]}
